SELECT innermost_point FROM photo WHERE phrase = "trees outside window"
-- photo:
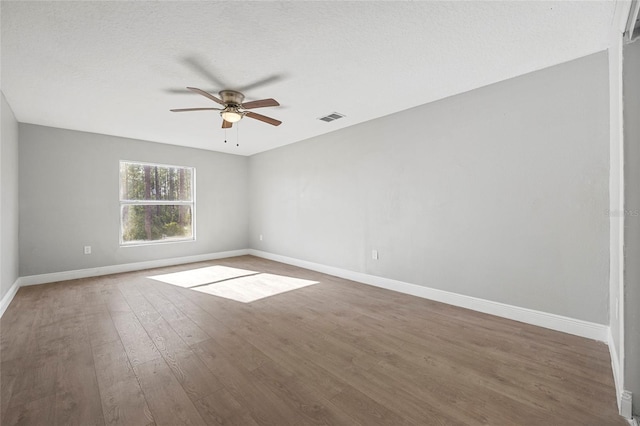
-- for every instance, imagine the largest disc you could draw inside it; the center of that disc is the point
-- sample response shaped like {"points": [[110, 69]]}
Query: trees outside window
{"points": [[157, 203]]}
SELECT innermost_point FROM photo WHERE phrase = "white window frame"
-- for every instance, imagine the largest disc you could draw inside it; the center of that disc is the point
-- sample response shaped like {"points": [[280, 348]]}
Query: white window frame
{"points": [[124, 203]]}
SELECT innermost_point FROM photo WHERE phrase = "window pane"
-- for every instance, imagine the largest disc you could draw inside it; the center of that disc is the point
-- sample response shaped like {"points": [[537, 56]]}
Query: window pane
{"points": [[149, 182], [154, 223]]}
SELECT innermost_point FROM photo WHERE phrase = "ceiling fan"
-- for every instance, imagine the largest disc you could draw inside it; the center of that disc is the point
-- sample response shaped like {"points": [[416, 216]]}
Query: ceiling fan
{"points": [[234, 109]]}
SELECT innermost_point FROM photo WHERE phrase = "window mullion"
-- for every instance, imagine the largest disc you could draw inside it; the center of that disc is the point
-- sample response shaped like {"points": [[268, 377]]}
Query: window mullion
{"points": [[157, 202]]}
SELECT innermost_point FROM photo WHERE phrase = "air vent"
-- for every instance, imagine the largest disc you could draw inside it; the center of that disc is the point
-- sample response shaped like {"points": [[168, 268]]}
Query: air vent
{"points": [[331, 117]]}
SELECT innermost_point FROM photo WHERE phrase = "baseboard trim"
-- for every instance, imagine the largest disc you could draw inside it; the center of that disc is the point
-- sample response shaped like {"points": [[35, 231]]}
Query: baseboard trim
{"points": [[7, 298], [126, 267], [542, 319], [615, 368]]}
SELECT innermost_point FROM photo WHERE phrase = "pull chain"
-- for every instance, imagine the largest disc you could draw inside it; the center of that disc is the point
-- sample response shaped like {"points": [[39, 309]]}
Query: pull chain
{"points": [[237, 134], [225, 135]]}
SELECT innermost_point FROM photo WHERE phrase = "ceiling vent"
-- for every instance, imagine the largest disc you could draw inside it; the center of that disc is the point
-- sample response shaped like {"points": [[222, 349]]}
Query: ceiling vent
{"points": [[331, 117]]}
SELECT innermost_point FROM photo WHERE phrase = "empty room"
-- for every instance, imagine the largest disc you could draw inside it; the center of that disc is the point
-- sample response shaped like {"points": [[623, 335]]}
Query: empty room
{"points": [[320, 213]]}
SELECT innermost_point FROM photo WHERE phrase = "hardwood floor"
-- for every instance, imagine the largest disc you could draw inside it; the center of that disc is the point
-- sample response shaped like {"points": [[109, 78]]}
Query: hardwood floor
{"points": [[128, 350]]}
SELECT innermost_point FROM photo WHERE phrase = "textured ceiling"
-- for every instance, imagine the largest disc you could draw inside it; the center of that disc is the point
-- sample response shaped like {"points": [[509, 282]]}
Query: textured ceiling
{"points": [[118, 67]]}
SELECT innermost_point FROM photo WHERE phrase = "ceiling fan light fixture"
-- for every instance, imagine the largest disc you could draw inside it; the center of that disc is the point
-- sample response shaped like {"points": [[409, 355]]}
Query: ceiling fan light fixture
{"points": [[231, 116]]}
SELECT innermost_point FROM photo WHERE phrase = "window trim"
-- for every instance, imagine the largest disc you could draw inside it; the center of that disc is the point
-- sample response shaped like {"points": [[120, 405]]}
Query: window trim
{"points": [[122, 202]]}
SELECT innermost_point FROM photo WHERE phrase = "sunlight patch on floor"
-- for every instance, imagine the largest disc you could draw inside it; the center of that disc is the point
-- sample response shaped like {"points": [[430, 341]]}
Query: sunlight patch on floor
{"points": [[201, 276], [240, 285], [254, 287]]}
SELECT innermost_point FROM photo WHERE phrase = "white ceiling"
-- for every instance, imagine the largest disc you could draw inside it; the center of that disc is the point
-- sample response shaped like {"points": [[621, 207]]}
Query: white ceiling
{"points": [[118, 67]]}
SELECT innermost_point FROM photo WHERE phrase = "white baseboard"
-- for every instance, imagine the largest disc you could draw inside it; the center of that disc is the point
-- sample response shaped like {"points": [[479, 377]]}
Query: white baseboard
{"points": [[626, 405], [615, 367], [552, 321], [543, 319], [126, 267], [7, 298]]}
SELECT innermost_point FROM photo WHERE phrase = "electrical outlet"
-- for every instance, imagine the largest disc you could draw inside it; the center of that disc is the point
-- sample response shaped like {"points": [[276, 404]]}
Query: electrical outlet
{"points": [[87, 249], [374, 254]]}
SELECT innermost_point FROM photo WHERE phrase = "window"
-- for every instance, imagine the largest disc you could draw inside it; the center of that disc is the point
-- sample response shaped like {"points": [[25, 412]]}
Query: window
{"points": [[157, 203]]}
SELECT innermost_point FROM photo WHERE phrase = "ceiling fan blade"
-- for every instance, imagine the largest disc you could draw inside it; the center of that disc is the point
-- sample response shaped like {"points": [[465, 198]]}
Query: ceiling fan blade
{"points": [[264, 118], [206, 94], [267, 80], [195, 109], [198, 65], [226, 124], [183, 91], [260, 104], [201, 66]]}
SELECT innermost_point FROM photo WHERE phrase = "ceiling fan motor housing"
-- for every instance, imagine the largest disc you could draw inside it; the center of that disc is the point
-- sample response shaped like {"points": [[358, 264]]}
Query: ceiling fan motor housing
{"points": [[231, 97]]}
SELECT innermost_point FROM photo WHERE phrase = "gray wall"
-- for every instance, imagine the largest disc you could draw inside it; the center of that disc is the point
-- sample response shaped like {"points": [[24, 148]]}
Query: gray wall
{"points": [[69, 198], [631, 100], [9, 202], [499, 193]]}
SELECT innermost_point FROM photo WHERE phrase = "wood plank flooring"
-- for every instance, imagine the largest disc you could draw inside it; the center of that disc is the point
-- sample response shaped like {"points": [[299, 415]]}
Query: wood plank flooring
{"points": [[128, 350]]}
